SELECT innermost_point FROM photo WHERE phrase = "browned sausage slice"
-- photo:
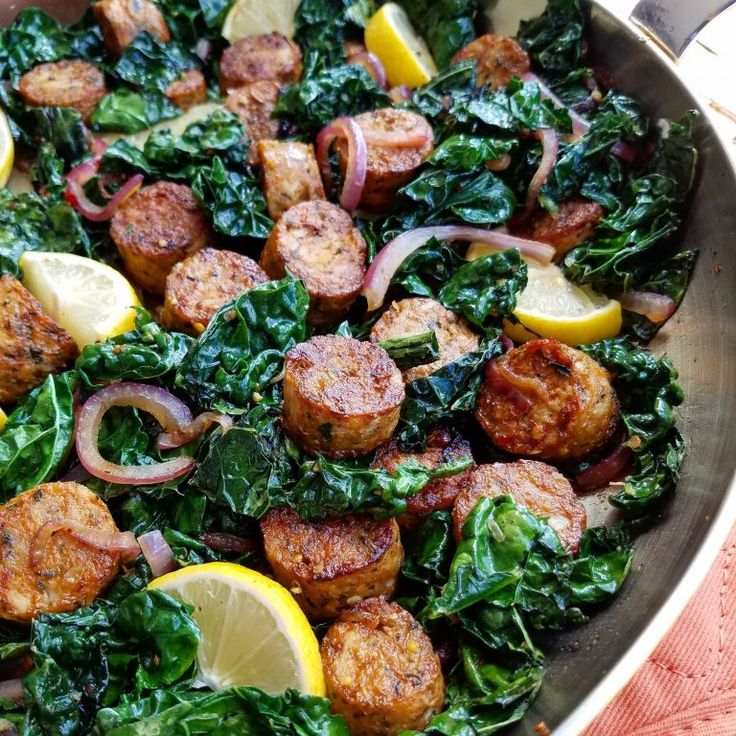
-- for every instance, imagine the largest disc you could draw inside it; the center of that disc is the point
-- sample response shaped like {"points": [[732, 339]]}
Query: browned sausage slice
{"points": [[32, 345], [389, 167], [539, 487], [382, 674], [498, 60], [418, 315], [73, 574], [189, 90], [269, 56], [575, 223], [122, 20], [330, 565], [156, 228], [200, 284], [317, 243], [67, 83], [342, 397], [547, 400], [444, 445], [253, 103]]}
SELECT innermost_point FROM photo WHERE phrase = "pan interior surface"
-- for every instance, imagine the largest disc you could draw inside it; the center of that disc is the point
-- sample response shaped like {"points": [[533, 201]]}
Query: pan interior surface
{"points": [[701, 341]]}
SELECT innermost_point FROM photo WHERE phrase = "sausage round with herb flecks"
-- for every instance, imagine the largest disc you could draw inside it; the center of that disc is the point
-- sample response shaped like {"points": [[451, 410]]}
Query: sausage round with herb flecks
{"points": [[547, 401], [122, 20], [342, 397], [498, 59], [254, 58], [330, 565]]}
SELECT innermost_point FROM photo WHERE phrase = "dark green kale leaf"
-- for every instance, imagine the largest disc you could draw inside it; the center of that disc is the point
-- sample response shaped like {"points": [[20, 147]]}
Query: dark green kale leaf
{"points": [[243, 347], [38, 435], [234, 199], [468, 152], [649, 393], [429, 549], [32, 38], [317, 100], [242, 710], [192, 20], [91, 657], [409, 352], [320, 27], [128, 111], [554, 39], [29, 221]]}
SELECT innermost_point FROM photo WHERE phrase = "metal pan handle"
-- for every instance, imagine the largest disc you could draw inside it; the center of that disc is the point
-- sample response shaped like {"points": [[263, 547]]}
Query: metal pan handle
{"points": [[672, 24]]}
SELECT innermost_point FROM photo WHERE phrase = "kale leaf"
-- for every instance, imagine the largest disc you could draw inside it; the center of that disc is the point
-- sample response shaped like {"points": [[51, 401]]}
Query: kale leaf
{"points": [[38, 434], [128, 111], [468, 152], [413, 350]]}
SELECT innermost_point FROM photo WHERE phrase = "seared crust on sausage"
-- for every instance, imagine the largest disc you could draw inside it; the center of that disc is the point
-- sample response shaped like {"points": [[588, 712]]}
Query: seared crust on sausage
{"points": [[73, 574], [381, 672], [157, 227], [200, 284], [539, 487], [189, 90], [547, 400], [268, 56], [253, 103], [418, 315], [342, 397], [122, 20], [32, 345], [389, 167], [317, 243], [332, 564], [290, 175], [575, 223], [444, 445], [498, 60], [69, 83]]}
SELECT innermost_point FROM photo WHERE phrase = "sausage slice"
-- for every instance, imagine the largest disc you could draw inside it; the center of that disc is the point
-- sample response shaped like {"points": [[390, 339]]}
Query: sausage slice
{"points": [[418, 315], [332, 564], [389, 167], [253, 103], [157, 227], [200, 284], [498, 60], [317, 243], [547, 400], [382, 674], [72, 574], [290, 174], [189, 90], [32, 345], [539, 487], [444, 445], [268, 56], [70, 83], [122, 20], [342, 397]]}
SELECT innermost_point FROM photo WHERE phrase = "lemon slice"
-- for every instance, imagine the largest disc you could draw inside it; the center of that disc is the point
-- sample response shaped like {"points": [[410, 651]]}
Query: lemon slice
{"points": [[551, 306], [402, 51], [89, 299], [253, 631], [7, 150], [254, 17], [3, 420]]}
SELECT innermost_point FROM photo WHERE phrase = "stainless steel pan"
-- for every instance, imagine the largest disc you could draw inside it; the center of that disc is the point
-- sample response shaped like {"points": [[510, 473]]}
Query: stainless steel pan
{"points": [[587, 666]]}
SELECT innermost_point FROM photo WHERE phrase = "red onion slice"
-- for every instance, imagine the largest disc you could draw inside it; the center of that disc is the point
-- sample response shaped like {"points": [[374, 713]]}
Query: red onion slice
{"points": [[400, 94], [98, 146], [170, 413], [372, 64], [101, 539], [12, 690], [203, 48], [655, 307], [77, 198], [352, 189], [82, 173], [602, 473], [179, 437], [389, 259], [157, 552], [228, 542], [550, 149], [499, 164]]}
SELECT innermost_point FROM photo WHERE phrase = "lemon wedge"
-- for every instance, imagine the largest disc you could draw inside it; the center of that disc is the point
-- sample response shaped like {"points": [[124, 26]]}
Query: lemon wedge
{"points": [[254, 17], [253, 631], [402, 51], [551, 306], [89, 299], [7, 150], [3, 419]]}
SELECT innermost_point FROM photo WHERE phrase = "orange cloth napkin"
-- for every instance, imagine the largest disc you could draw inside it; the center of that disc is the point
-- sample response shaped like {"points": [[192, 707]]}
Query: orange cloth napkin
{"points": [[688, 686]]}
